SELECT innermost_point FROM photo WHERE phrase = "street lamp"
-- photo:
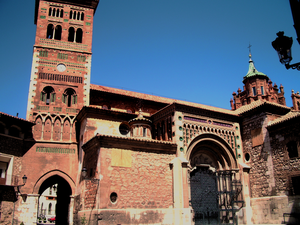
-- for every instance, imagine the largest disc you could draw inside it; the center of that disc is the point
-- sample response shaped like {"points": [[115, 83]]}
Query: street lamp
{"points": [[282, 45], [24, 178], [84, 176]]}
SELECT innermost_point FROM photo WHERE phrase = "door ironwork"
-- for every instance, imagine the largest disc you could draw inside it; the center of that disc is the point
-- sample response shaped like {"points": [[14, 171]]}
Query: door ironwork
{"points": [[215, 196]]}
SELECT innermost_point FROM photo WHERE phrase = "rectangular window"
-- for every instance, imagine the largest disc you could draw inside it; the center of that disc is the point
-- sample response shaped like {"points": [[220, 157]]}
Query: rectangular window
{"points": [[144, 132], [257, 137], [296, 185], [81, 58], [62, 56], [254, 91], [43, 54], [262, 90]]}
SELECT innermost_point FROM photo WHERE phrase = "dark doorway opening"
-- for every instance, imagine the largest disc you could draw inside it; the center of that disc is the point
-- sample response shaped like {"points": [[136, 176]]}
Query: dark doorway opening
{"points": [[57, 191]]}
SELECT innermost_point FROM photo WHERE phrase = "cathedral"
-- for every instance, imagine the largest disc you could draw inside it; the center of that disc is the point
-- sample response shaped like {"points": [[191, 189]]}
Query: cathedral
{"points": [[100, 155]]}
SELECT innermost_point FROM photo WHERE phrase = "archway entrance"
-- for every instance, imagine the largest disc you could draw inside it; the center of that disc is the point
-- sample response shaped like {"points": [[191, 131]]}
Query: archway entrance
{"points": [[54, 200], [215, 189]]}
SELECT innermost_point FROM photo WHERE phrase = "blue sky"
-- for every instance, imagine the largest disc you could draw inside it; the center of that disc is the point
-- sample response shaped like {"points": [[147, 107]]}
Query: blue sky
{"points": [[191, 50]]}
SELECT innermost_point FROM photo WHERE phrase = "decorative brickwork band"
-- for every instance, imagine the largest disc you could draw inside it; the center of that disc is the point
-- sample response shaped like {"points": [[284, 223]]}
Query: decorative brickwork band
{"points": [[58, 77], [55, 150]]}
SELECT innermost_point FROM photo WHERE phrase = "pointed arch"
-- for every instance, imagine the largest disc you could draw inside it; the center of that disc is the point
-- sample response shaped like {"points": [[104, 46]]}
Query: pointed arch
{"points": [[57, 129], [37, 129], [66, 130], [47, 128], [38, 185]]}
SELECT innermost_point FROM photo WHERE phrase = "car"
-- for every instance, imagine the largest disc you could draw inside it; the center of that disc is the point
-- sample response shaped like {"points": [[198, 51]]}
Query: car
{"points": [[52, 219]]}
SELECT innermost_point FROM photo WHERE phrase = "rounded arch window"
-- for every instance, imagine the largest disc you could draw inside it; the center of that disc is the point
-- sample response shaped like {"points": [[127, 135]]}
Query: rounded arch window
{"points": [[69, 97], [57, 35], [71, 34], [113, 197], [48, 95], [79, 35], [50, 29]]}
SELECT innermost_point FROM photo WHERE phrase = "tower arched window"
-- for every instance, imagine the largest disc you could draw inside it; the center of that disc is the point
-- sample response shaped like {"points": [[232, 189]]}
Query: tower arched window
{"points": [[71, 34], [82, 16], [50, 29], [53, 12], [74, 15], [79, 35], [78, 16], [71, 14], [48, 95], [50, 11], [61, 13], [57, 12], [69, 97], [57, 35]]}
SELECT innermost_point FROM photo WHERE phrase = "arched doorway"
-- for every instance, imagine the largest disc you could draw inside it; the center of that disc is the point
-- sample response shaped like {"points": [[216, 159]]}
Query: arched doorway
{"points": [[215, 189], [54, 200]]}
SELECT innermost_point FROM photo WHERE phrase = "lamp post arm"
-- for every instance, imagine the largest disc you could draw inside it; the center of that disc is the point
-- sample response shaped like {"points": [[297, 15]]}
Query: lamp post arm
{"points": [[293, 66]]}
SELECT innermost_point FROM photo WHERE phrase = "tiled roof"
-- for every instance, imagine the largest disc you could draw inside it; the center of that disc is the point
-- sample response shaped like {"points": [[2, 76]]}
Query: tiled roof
{"points": [[135, 139], [286, 117], [14, 117], [256, 104], [252, 71], [159, 99]]}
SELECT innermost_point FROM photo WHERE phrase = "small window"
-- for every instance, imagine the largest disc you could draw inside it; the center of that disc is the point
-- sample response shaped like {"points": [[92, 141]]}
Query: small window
{"points": [[50, 11], [254, 91], [82, 16], [124, 129], [3, 167], [113, 197], [262, 90], [292, 149], [50, 209], [296, 185], [71, 14], [144, 132], [61, 13]]}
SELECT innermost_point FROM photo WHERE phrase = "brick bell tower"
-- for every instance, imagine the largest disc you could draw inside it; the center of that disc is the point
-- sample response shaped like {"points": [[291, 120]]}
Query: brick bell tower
{"points": [[61, 66]]}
